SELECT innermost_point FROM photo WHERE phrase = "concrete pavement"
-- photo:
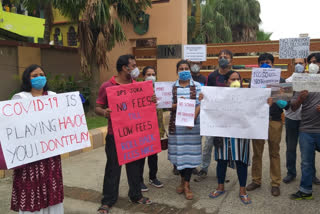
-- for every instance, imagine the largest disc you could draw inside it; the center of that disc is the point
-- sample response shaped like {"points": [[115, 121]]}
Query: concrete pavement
{"points": [[83, 178]]}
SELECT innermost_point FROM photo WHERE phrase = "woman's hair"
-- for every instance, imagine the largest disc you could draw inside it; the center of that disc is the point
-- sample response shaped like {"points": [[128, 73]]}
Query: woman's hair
{"points": [[144, 71], [228, 75], [183, 62], [26, 82]]}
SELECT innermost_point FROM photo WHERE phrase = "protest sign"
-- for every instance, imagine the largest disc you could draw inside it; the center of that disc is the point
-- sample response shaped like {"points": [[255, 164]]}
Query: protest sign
{"points": [[281, 91], [305, 81], [163, 91], [134, 121], [42, 127], [185, 112], [195, 53], [261, 77], [293, 48], [235, 112]]}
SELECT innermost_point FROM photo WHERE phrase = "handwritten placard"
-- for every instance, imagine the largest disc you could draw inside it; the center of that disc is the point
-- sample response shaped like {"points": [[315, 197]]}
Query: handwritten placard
{"points": [[134, 121], [195, 53], [42, 127], [305, 81], [281, 91], [292, 48], [235, 112], [261, 77], [185, 112], [163, 91]]}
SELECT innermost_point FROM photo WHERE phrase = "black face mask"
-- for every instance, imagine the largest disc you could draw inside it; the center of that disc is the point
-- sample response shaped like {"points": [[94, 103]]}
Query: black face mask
{"points": [[223, 63]]}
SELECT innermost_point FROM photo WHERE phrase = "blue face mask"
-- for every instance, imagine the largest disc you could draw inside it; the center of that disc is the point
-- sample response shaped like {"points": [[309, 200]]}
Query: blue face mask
{"points": [[38, 82], [265, 65], [184, 75]]}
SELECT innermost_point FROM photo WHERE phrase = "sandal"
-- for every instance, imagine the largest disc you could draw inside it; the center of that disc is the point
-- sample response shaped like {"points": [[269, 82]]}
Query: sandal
{"points": [[143, 200], [216, 193], [245, 199], [103, 209]]}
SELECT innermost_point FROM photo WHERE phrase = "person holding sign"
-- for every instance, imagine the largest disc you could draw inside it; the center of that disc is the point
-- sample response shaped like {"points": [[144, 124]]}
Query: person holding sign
{"points": [[149, 73], [38, 186], [266, 60], [184, 146], [125, 65], [309, 137]]}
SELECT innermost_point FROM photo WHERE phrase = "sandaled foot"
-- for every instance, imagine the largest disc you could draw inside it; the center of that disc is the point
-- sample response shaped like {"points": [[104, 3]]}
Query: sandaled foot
{"points": [[245, 199], [104, 209], [143, 200], [216, 193]]}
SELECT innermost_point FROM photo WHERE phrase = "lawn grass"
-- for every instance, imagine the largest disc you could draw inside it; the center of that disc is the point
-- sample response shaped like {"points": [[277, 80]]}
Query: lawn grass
{"points": [[96, 122]]}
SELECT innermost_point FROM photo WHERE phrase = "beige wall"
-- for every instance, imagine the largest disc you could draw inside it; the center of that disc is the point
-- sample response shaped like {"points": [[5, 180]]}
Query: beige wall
{"points": [[168, 24], [28, 56]]}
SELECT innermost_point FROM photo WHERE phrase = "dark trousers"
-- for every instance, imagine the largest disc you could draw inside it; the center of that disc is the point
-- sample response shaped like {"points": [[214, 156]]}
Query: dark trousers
{"points": [[186, 174], [112, 176], [292, 137], [153, 167], [242, 171]]}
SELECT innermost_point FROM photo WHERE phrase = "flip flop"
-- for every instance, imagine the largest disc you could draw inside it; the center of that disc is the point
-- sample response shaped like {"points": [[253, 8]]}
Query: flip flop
{"points": [[143, 200], [244, 199], [216, 193]]}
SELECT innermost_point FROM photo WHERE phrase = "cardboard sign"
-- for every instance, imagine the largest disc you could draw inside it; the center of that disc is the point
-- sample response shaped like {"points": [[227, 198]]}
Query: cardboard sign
{"points": [[42, 127], [305, 81], [261, 77], [134, 121], [282, 91], [185, 112], [293, 48], [163, 91], [195, 53], [235, 112]]}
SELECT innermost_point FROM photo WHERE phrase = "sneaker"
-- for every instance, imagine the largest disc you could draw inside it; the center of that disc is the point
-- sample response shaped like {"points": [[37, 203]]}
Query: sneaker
{"points": [[155, 182], [144, 188], [316, 181], [201, 176], [301, 196], [288, 179], [252, 186]]}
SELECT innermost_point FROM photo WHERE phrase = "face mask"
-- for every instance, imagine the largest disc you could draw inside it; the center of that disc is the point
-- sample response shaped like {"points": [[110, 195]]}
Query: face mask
{"points": [[195, 68], [223, 63], [298, 68], [265, 65], [38, 82], [184, 75], [152, 78], [135, 73], [313, 68], [235, 84]]}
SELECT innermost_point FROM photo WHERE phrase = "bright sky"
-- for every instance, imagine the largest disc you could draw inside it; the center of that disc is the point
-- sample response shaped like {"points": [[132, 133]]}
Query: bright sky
{"points": [[289, 18]]}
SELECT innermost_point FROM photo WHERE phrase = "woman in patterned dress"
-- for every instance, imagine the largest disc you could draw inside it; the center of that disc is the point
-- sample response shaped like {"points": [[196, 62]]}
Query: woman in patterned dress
{"points": [[184, 143], [37, 187]]}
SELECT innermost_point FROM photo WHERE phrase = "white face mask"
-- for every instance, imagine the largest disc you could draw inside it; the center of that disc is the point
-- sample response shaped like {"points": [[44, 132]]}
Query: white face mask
{"points": [[135, 73], [152, 78], [313, 68], [195, 68]]}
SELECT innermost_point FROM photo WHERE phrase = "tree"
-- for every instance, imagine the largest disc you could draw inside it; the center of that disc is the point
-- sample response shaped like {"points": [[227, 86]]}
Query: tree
{"points": [[263, 36]]}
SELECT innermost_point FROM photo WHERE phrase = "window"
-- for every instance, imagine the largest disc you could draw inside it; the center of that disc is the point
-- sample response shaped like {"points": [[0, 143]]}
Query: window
{"points": [[72, 37], [57, 36]]}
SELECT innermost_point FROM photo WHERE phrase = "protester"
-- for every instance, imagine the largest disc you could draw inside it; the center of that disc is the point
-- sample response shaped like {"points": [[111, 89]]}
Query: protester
{"points": [[149, 73], [126, 65], [184, 145], [37, 186], [195, 72], [218, 79], [292, 131], [266, 60], [309, 136]]}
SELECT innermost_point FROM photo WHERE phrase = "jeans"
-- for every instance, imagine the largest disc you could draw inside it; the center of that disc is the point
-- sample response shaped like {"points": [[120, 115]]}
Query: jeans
{"points": [[292, 136], [112, 176], [153, 167], [206, 154], [242, 171], [309, 143]]}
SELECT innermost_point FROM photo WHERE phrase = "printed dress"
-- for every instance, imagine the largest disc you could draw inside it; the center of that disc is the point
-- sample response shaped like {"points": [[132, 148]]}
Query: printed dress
{"points": [[184, 144], [38, 186]]}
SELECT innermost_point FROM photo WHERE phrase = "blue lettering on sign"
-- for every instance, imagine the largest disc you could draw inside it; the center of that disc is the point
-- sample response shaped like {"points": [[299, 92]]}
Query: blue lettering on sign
{"points": [[128, 145], [131, 155], [134, 116], [146, 139], [147, 150]]}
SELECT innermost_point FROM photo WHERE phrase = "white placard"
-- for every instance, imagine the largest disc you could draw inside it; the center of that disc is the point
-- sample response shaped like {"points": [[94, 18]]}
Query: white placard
{"points": [[163, 91], [292, 48], [305, 81], [261, 77], [185, 112], [42, 127], [235, 112], [195, 53]]}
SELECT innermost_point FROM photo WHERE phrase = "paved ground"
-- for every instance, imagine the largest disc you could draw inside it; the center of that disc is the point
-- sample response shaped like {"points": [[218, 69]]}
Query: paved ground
{"points": [[83, 176]]}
